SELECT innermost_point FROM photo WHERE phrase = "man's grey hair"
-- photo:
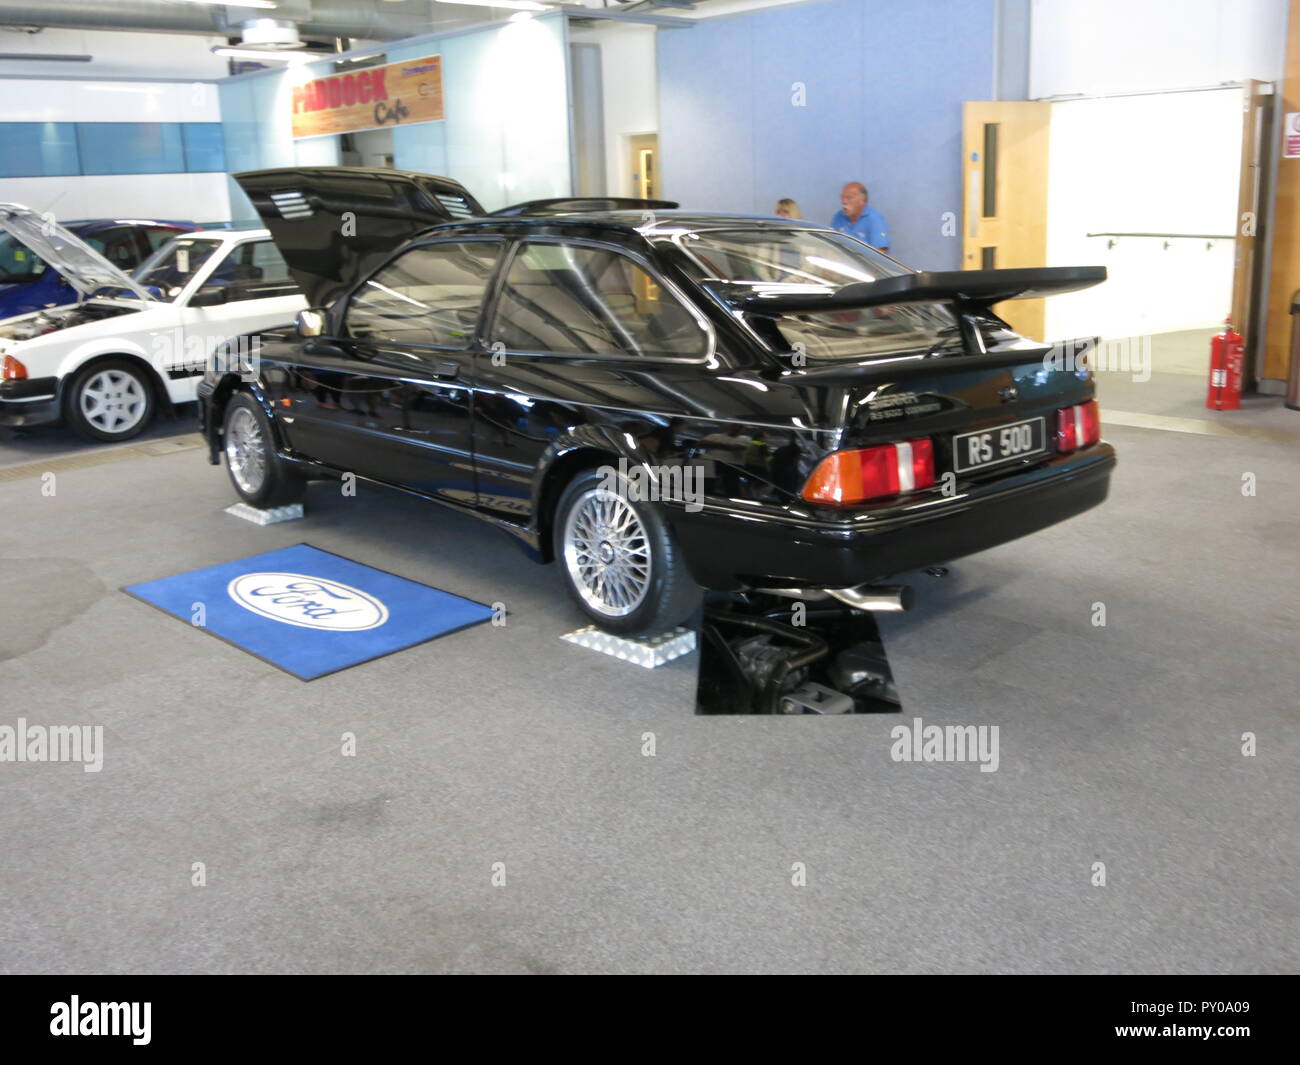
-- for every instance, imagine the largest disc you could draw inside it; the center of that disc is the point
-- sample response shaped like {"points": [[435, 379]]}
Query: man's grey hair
{"points": [[859, 186]]}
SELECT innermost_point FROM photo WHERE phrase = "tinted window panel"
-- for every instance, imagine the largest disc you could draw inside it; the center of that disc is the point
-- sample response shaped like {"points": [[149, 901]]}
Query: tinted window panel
{"points": [[430, 295], [572, 300], [204, 150], [38, 149], [131, 147]]}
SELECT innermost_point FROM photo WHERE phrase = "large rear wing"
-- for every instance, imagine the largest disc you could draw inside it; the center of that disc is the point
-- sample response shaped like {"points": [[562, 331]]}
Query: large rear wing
{"points": [[972, 291], [580, 205]]}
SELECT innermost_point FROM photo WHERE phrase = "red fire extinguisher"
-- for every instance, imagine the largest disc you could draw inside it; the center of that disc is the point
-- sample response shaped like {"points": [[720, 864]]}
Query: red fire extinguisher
{"points": [[1226, 362]]}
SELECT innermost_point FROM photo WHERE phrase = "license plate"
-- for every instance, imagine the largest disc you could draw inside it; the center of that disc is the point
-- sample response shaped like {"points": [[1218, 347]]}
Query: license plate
{"points": [[1003, 443]]}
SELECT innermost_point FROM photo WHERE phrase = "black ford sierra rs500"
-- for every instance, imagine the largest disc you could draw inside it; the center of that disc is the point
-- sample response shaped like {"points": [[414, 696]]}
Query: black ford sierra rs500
{"points": [[658, 400]]}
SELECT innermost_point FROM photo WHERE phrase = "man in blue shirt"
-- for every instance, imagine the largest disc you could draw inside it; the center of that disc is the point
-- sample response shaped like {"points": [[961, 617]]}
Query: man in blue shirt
{"points": [[858, 220]]}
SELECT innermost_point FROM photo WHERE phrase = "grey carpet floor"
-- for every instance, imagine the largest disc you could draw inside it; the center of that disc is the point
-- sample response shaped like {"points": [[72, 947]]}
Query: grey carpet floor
{"points": [[1119, 744]]}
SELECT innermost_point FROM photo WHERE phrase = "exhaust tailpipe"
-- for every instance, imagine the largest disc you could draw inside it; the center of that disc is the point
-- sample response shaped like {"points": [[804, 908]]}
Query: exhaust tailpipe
{"points": [[891, 598]]}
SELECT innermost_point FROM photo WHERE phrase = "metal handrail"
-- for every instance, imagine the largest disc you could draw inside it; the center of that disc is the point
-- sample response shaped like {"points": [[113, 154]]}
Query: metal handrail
{"points": [[1188, 236]]}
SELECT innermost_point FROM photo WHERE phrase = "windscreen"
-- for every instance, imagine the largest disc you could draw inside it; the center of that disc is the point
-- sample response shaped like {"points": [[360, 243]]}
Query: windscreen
{"points": [[168, 270], [809, 257], [18, 263]]}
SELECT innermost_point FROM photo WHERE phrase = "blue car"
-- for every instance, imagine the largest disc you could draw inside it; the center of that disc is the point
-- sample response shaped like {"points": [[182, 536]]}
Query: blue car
{"points": [[28, 284]]}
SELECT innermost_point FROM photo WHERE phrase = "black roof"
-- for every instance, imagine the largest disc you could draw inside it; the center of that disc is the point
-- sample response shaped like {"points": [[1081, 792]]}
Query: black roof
{"points": [[636, 220]]}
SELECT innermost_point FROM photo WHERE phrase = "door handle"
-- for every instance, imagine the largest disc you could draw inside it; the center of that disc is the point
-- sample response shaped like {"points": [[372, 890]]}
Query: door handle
{"points": [[446, 369]]}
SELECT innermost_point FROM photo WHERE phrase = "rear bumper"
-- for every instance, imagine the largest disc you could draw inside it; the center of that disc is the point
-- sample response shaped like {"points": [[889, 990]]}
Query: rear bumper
{"points": [[31, 401], [729, 547]]}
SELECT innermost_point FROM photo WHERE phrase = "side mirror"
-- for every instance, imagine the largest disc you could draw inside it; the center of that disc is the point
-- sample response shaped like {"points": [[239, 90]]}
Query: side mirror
{"points": [[310, 323], [210, 297]]}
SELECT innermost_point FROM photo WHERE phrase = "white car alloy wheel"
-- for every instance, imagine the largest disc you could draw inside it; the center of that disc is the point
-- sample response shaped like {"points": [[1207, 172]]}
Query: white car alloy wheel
{"points": [[114, 401], [246, 451], [607, 553]]}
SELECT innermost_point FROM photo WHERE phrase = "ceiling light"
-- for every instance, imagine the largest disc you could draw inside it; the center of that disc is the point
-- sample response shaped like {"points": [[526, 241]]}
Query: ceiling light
{"points": [[228, 3], [270, 33], [514, 5], [259, 55]]}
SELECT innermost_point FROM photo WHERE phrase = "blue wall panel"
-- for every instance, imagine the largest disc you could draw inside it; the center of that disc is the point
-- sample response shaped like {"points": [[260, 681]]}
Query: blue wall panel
{"points": [[38, 149], [884, 83], [239, 126], [130, 147]]}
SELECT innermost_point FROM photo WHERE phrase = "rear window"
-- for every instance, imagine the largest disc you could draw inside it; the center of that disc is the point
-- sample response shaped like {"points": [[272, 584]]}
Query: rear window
{"points": [[803, 257]]}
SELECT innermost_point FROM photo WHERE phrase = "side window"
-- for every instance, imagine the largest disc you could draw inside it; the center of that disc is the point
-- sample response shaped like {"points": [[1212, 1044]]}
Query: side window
{"points": [[569, 299], [254, 271], [430, 295]]}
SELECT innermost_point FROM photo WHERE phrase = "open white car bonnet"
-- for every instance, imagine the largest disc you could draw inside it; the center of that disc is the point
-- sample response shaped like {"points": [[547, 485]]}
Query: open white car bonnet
{"points": [[83, 267]]}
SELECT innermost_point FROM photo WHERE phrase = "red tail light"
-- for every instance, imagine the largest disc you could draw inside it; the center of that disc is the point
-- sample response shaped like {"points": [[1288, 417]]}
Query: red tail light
{"points": [[13, 370], [872, 472], [1078, 426], [1091, 420]]}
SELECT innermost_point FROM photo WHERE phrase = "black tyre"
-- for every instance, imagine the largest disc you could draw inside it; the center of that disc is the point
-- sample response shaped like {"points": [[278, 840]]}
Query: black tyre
{"points": [[620, 559], [112, 399], [259, 475]]}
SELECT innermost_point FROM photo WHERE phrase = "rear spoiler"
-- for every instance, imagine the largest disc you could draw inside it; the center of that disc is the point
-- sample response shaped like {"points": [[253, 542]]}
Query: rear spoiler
{"points": [[973, 291], [582, 205]]}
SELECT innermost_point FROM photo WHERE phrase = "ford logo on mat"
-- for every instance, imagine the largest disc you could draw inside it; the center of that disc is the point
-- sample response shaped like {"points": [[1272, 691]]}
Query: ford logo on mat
{"points": [[308, 602]]}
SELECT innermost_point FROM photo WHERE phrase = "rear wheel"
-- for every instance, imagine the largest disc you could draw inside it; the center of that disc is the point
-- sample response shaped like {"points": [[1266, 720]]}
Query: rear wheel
{"points": [[111, 400], [259, 475], [620, 559]]}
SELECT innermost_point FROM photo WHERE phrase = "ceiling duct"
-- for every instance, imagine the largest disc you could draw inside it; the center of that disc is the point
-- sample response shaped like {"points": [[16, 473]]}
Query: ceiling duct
{"points": [[317, 20]]}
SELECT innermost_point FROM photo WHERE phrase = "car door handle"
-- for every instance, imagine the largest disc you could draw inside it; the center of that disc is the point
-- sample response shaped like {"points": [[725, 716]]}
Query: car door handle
{"points": [[446, 369]]}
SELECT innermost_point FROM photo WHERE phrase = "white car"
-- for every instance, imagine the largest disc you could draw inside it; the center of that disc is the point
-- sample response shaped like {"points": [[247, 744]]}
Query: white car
{"points": [[106, 364]]}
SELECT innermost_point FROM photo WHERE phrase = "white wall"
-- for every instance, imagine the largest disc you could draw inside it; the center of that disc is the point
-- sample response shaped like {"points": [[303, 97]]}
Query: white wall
{"points": [[193, 197], [1156, 163], [115, 54], [631, 103], [183, 197], [1109, 46], [88, 100]]}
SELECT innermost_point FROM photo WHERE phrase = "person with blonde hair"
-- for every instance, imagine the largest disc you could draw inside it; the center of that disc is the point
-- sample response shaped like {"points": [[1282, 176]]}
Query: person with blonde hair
{"points": [[787, 208]]}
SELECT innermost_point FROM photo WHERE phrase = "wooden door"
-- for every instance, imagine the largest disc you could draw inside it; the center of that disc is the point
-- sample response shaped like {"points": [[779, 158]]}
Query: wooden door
{"points": [[1247, 317], [1004, 195], [643, 166]]}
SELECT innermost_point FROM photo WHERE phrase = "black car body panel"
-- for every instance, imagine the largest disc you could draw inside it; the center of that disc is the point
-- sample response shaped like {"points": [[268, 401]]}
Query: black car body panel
{"points": [[499, 432]]}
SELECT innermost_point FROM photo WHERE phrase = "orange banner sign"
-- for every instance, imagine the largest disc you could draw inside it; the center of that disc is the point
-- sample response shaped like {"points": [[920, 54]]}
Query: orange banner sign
{"points": [[394, 94]]}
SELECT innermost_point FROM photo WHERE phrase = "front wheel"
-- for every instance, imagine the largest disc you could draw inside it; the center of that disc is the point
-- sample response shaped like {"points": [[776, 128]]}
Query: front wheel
{"points": [[111, 400], [620, 559], [259, 475]]}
